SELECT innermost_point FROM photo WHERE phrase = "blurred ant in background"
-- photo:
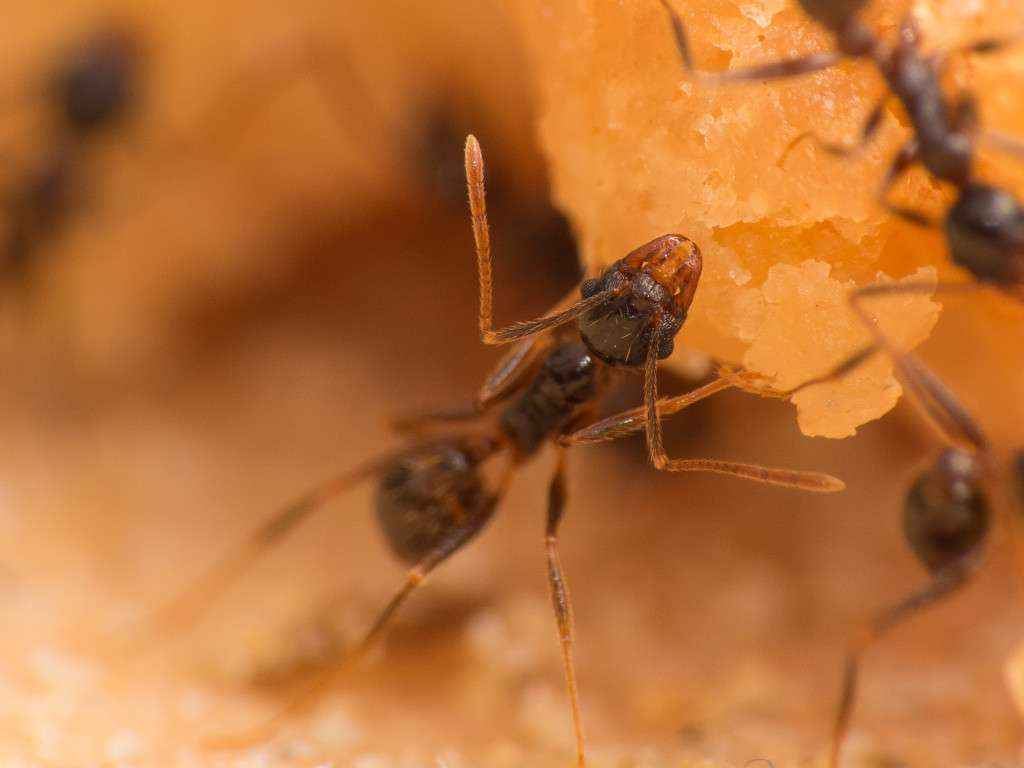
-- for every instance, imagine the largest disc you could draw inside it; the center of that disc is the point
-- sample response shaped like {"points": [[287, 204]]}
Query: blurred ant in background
{"points": [[946, 513], [92, 91], [433, 496], [984, 228]]}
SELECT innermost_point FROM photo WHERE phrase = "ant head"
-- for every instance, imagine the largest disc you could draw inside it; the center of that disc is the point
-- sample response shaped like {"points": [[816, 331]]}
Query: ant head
{"points": [[985, 231], [653, 287], [96, 84], [946, 515], [433, 492]]}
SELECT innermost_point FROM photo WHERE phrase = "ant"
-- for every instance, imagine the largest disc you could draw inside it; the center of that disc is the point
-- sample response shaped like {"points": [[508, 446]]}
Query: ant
{"points": [[94, 90], [433, 496], [91, 92], [946, 512], [984, 228]]}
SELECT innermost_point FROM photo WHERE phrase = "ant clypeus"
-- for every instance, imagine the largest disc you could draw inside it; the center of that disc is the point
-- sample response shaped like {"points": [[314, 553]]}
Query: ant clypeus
{"points": [[984, 228], [432, 497]]}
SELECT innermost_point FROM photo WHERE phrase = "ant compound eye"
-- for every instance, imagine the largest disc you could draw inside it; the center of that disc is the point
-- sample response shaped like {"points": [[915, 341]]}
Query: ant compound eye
{"points": [[590, 287]]}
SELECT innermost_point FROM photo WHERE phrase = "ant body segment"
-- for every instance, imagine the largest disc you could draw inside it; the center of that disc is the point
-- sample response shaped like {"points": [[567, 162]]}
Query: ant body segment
{"points": [[433, 496], [984, 228]]}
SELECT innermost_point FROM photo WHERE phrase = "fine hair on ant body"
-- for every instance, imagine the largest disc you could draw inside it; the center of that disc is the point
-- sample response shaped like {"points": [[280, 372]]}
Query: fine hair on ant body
{"points": [[984, 228], [432, 497]]}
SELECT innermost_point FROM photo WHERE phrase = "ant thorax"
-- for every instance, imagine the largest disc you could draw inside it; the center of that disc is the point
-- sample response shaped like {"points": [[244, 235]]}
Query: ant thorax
{"points": [[653, 288]]}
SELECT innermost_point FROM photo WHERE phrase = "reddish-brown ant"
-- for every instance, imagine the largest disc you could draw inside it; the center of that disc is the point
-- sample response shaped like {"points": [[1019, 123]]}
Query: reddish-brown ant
{"points": [[432, 498], [985, 226]]}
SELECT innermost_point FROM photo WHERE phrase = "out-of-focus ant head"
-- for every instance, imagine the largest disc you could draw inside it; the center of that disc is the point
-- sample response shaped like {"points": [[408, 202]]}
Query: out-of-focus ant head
{"points": [[97, 82]]}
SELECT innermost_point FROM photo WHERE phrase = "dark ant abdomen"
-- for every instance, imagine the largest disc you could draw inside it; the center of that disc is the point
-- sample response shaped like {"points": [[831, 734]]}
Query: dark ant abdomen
{"points": [[432, 494], [833, 14], [567, 380], [985, 230], [946, 517], [619, 331]]}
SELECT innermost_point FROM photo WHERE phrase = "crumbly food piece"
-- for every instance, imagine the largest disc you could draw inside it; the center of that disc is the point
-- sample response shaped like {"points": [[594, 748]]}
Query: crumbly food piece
{"points": [[638, 148]]}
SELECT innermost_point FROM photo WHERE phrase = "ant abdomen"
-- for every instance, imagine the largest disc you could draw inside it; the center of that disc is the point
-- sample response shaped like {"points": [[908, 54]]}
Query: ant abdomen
{"points": [[434, 493], [653, 286], [946, 516], [985, 229]]}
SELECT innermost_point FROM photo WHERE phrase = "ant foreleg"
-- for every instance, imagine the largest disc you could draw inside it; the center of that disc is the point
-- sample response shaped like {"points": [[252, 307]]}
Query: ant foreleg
{"points": [[560, 599], [807, 481], [908, 154], [635, 419], [941, 405], [802, 65]]}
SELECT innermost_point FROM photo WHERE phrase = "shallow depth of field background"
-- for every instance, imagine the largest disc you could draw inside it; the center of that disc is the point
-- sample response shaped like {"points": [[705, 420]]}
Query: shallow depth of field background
{"points": [[236, 315]]}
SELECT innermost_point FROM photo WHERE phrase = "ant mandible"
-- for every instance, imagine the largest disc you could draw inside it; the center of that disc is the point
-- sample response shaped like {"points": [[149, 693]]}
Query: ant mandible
{"points": [[984, 228], [432, 497]]}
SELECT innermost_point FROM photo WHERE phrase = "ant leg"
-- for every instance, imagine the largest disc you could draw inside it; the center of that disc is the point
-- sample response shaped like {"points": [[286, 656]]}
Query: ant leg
{"points": [[561, 601], [311, 692], [1003, 142], [943, 585], [807, 481], [499, 384], [635, 419], [938, 402], [867, 132], [482, 238], [802, 65], [941, 405], [906, 157], [188, 607]]}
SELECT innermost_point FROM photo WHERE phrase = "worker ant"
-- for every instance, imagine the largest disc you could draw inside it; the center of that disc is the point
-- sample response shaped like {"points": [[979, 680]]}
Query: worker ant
{"points": [[96, 87], [92, 91], [946, 512], [946, 521], [984, 228], [433, 496]]}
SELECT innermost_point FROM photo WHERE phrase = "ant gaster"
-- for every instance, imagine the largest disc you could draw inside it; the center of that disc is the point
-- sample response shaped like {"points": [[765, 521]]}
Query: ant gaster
{"points": [[433, 497], [985, 226]]}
